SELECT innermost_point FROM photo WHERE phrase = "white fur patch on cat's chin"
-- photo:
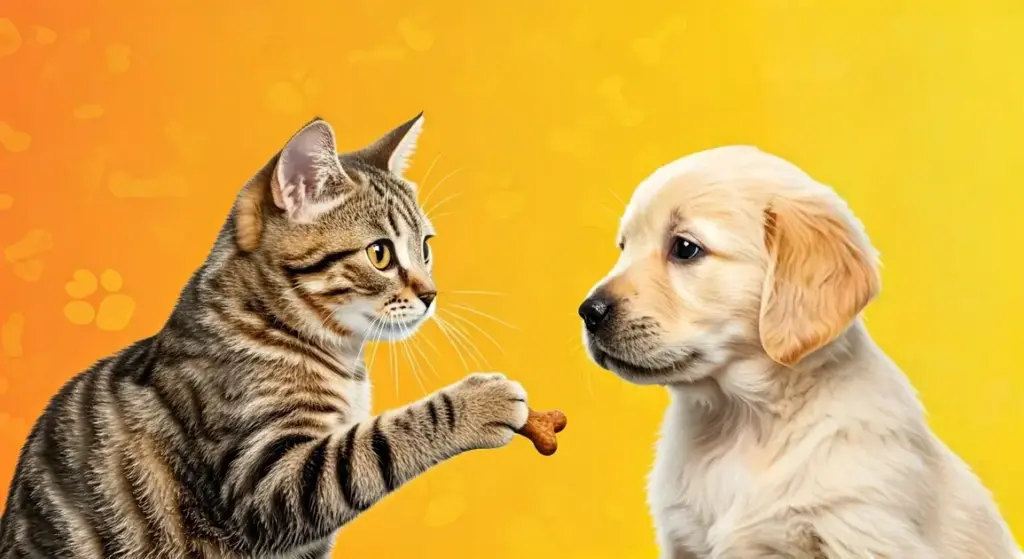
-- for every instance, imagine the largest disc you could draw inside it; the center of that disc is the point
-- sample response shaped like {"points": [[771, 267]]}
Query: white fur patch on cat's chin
{"points": [[404, 326], [397, 333], [356, 316]]}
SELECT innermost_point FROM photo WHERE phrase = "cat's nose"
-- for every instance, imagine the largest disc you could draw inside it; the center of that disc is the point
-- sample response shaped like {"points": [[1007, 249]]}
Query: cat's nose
{"points": [[595, 311], [427, 297]]}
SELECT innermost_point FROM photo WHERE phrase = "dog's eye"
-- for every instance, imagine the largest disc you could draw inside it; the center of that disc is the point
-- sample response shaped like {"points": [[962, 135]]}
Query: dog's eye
{"points": [[685, 249]]}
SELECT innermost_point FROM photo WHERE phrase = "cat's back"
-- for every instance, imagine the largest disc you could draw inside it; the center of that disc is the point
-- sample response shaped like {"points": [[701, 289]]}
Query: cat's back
{"points": [[87, 467]]}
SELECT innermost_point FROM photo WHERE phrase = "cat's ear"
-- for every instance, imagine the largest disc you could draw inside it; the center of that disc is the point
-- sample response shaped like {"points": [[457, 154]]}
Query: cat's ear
{"points": [[392, 152], [306, 173]]}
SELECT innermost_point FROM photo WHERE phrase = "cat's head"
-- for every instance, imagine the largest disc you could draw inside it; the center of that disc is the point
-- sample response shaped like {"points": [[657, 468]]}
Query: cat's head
{"points": [[344, 234]]}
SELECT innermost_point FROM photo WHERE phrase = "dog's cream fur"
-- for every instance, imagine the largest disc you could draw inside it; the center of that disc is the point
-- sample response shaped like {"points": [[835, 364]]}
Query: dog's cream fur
{"points": [[790, 433]]}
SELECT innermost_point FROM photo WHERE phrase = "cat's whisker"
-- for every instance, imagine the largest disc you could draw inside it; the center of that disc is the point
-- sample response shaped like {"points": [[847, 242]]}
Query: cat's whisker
{"points": [[429, 343], [392, 356], [431, 168], [483, 314], [426, 358], [444, 332], [441, 203], [440, 215], [469, 322], [409, 343], [413, 363], [472, 350], [376, 345], [470, 344], [434, 188], [454, 339], [472, 292], [366, 336]]}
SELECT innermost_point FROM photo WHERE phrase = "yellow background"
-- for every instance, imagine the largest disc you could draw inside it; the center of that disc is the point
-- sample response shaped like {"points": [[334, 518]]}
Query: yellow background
{"points": [[126, 128]]}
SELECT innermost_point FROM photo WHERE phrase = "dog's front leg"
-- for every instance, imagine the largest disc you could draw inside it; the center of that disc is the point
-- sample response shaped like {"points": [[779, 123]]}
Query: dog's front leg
{"points": [[769, 541], [671, 548], [763, 551], [675, 552]]}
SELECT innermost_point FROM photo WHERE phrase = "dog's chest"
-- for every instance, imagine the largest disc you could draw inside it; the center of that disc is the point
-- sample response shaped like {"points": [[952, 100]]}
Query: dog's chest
{"points": [[697, 495]]}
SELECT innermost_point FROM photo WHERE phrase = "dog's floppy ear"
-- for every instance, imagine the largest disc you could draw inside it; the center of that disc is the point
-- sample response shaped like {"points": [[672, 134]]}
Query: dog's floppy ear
{"points": [[821, 273]]}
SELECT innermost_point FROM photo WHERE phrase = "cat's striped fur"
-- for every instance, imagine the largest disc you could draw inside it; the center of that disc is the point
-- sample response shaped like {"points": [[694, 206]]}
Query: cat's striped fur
{"points": [[243, 428]]}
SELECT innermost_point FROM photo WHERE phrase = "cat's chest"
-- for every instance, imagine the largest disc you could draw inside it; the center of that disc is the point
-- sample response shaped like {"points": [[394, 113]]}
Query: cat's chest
{"points": [[355, 397]]}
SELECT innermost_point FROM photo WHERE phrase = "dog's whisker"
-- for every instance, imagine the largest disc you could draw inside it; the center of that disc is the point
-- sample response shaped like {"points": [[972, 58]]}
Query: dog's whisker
{"points": [[614, 214], [589, 378], [606, 230], [617, 198]]}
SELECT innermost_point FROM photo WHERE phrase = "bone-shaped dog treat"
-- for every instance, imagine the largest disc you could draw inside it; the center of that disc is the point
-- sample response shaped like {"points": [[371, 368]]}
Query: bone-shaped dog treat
{"points": [[541, 428]]}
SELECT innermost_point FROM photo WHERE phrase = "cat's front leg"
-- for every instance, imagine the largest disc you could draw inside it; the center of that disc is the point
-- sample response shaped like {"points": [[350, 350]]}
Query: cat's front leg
{"points": [[287, 489], [482, 411]]}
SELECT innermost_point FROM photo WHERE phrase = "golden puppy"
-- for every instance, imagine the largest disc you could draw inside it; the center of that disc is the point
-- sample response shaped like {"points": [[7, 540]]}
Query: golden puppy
{"points": [[789, 433]]}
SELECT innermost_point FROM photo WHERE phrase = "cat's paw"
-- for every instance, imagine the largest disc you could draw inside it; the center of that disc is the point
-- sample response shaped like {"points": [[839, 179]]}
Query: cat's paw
{"points": [[493, 408]]}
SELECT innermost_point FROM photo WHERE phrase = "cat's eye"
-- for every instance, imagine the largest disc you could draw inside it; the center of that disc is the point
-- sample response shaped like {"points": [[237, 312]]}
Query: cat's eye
{"points": [[426, 248], [685, 249], [381, 255]]}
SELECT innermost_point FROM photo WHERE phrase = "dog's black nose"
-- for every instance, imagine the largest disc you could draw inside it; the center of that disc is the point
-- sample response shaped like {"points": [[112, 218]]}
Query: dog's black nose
{"points": [[594, 311], [427, 297]]}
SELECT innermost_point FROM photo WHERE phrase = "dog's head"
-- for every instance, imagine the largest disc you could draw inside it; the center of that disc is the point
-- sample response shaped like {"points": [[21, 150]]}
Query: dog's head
{"points": [[727, 254]]}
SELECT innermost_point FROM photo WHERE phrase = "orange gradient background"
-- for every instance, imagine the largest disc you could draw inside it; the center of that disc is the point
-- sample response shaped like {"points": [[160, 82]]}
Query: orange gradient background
{"points": [[126, 129]]}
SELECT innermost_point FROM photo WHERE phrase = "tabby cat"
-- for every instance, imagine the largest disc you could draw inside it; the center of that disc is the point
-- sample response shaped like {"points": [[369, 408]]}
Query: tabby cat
{"points": [[243, 427]]}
